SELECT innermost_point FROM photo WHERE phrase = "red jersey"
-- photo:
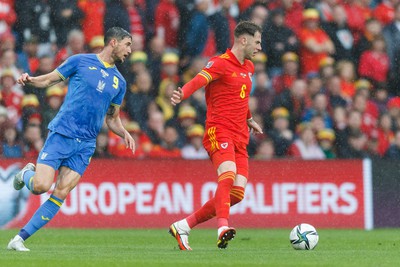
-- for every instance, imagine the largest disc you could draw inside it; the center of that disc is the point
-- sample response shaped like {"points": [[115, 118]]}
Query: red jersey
{"points": [[227, 95]]}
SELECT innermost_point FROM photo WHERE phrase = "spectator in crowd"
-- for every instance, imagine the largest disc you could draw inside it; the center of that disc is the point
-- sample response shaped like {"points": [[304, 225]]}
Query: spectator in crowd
{"points": [[356, 146], [280, 133], [325, 9], [75, 45], [167, 22], [155, 126], [167, 148], [380, 97], [30, 105], [265, 150], [195, 66], [374, 62], [369, 113], [96, 44], [138, 97], [65, 16], [170, 67], [46, 63], [384, 133], [54, 99], [326, 69], [391, 34], [194, 149], [187, 117], [353, 124], [305, 146], [27, 58], [260, 62], [393, 107], [373, 28], [319, 107], [167, 87], [334, 92], [8, 60], [11, 146], [315, 44], [356, 17], [314, 86], [197, 32], [10, 95], [7, 16], [135, 19], [93, 21], [223, 24], [293, 100], [393, 152], [347, 74], [33, 141], [116, 15], [326, 140], [340, 34], [155, 52], [278, 40], [290, 72], [101, 150], [117, 147], [384, 11], [263, 91], [33, 18]]}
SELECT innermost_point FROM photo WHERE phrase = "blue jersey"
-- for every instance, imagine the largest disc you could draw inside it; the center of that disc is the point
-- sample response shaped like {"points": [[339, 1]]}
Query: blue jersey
{"points": [[93, 87]]}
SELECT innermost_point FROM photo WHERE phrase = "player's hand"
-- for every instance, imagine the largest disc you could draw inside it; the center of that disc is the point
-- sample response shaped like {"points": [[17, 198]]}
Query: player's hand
{"points": [[254, 127], [24, 79], [130, 142], [177, 96]]}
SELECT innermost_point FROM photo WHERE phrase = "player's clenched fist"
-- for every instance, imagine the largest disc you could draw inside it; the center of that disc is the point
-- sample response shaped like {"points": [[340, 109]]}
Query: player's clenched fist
{"points": [[24, 78], [177, 96]]}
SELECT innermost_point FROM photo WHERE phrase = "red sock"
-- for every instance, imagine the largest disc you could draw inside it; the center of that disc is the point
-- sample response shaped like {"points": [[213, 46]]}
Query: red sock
{"points": [[222, 197], [207, 211]]}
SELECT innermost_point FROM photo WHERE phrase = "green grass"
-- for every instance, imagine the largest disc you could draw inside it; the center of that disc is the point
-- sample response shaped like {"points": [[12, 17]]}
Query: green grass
{"points": [[154, 247]]}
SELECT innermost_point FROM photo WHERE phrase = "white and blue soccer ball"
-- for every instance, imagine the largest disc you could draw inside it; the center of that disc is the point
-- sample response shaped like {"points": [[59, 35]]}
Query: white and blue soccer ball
{"points": [[304, 237]]}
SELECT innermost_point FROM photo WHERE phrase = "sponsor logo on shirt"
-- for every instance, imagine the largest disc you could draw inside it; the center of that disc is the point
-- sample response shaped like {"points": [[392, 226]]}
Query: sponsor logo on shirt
{"points": [[104, 73], [224, 145], [243, 75], [234, 74]]}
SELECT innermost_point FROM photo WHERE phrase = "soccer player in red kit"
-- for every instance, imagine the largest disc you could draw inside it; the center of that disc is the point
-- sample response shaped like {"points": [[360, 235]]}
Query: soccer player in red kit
{"points": [[227, 79]]}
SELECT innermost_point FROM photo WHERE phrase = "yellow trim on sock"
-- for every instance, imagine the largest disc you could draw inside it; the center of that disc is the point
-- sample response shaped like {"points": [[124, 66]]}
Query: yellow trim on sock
{"points": [[58, 203]]}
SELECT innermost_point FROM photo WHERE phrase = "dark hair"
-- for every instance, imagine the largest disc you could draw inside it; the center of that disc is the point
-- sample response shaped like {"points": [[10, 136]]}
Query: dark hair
{"points": [[247, 27], [117, 33]]}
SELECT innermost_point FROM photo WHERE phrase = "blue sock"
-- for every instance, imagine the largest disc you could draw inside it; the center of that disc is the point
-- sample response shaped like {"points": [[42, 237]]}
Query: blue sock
{"points": [[43, 215], [28, 179]]}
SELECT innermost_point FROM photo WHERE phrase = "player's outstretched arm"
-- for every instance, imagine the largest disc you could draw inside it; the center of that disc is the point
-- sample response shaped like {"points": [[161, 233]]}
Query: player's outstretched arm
{"points": [[115, 125], [42, 81]]}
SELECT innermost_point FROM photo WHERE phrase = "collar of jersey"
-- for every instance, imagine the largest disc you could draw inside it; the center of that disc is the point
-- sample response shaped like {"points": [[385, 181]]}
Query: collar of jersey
{"points": [[107, 65]]}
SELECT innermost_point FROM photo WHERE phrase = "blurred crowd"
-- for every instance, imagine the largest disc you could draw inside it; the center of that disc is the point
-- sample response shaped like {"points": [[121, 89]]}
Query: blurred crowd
{"points": [[326, 85]]}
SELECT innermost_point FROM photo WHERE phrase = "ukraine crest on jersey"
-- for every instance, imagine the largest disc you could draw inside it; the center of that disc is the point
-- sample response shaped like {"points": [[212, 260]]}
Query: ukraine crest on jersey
{"points": [[92, 88]]}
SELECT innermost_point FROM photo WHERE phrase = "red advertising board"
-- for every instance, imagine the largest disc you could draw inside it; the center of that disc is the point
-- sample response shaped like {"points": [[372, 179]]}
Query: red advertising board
{"points": [[155, 193]]}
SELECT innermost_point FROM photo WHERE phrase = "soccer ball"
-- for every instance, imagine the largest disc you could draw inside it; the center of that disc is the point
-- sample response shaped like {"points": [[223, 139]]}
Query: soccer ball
{"points": [[304, 237]]}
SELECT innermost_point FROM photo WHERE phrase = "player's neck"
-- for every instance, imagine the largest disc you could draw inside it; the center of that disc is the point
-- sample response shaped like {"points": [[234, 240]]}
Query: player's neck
{"points": [[104, 57], [238, 54]]}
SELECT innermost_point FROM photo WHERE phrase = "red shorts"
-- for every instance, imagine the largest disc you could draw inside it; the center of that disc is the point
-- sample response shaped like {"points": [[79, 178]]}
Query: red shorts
{"points": [[222, 148]]}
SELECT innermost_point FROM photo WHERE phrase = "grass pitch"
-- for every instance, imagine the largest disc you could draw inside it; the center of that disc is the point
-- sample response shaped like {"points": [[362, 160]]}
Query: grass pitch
{"points": [[154, 247]]}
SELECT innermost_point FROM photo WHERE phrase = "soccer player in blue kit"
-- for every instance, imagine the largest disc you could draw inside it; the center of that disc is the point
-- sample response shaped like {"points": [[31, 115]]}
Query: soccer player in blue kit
{"points": [[96, 90]]}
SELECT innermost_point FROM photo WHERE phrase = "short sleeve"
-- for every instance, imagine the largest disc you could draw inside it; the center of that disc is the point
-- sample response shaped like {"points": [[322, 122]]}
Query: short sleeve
{"points": [[69, 66], [213, 70]]}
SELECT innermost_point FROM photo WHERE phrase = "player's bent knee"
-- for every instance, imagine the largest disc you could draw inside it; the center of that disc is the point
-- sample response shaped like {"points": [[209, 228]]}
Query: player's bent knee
{"points": [[41, 186]]}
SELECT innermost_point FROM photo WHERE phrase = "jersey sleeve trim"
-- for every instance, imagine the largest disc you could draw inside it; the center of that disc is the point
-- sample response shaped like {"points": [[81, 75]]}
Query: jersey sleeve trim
{"points": [[61, 76], [206, 75], [115, 105]]}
